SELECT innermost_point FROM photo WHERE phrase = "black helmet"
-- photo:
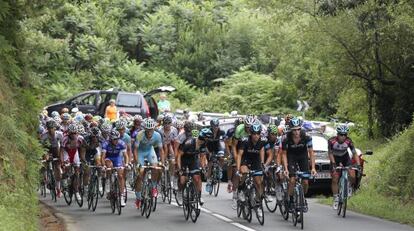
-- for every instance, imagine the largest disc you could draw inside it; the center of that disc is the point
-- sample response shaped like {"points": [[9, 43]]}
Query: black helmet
{"points": [[206, 133], [188, 126], [95, 131], [167, 120], [51, 124], [214, 122]]}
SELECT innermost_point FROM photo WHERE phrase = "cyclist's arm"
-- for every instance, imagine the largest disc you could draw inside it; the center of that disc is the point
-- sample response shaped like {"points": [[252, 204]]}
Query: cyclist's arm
{"points": [[284, 158], [312, 158], [262, 155], [235, 153], [239, 157], [124, 152], [179, 154], [330, 153], [129, 152], [269, 154]]}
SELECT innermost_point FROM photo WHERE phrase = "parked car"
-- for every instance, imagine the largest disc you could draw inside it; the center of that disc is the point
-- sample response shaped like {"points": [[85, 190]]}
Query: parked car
{"points": [[95, 102], [322, 180]]}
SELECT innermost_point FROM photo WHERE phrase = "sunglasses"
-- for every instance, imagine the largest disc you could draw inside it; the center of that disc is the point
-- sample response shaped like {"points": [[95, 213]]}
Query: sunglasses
{"points": [[342, 134], [256, 133]]}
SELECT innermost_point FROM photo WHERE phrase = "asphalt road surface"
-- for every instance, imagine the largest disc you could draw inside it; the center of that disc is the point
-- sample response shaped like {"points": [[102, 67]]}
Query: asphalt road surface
{"points": [[216, 215]]}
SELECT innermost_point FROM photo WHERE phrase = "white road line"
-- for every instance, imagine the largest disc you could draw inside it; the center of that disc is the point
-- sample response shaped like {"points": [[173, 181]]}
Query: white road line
{"points": [[218, 216], [242, 226], [222, 217]]}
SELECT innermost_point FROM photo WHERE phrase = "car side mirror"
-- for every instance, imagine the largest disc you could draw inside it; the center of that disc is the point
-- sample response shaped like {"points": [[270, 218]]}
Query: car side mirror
{"points": [[369, 152]]}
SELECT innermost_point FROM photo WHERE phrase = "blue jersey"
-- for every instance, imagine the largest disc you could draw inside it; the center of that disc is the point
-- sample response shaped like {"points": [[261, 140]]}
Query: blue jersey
{"points": [[126, 138], [146, 145], [113, 151]]}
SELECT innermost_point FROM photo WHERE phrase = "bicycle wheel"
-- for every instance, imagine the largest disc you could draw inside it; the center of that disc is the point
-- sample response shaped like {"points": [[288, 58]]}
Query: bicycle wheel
{"points": [[52, 185], [178, 199], [270, 192], [168, 185], [284, 209], [79, 201], [132, 178], [239, 208], [154, 202], [95, 192], [259, 209], [103, 183], [163, 187], [186, 201], [148, 199], [345, 198], [194, 205], [117, 195], [294, 212], [216, 187], [68, 192], [301, 207], [89, 197], [248, 208], [341, 195]]}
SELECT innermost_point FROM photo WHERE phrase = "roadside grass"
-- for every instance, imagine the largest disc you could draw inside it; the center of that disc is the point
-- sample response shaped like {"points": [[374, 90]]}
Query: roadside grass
{"points": [[388, 189]]}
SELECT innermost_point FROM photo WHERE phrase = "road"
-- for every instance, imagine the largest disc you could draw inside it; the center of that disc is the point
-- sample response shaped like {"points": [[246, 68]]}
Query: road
{"points": [[216, 215]]}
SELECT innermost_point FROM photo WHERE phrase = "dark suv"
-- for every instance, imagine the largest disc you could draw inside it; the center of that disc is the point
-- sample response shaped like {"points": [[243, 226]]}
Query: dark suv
{"points": [[95, 102]]}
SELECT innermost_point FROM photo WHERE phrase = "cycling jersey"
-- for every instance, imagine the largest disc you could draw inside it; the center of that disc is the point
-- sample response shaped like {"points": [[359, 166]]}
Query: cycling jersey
{"points": [[92, 149], [53, 143], [240, 132], [297, 154], [251, 153], [215, 145], [340, 150], [169, 136], [114, 153], [190, 156], [71, 149], [146, 147]]}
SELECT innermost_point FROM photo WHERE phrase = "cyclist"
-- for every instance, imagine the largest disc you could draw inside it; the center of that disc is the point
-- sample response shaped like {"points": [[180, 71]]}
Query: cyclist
{"points": [[297, 149], [215, 148], [93, 149], [188, 157], [145, 143], [338, 155], [52, 140], [114, 153], [72, 145], [251, 157], [170, 140], [231, 161]]}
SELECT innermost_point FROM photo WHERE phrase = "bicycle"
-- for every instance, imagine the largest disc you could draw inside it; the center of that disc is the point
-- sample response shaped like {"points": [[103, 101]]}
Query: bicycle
{"points": [[93, 190], [166, 187], [299, 205], [216, 175], [48, 180], [282, 195], [245, 207], [149, 202], [344, 187], [270, 181], [191, 197], [69, 186], [114, 190]]}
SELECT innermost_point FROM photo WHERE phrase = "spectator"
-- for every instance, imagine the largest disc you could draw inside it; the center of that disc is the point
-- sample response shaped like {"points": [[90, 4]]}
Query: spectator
{"points": [[111, 111], [164, 105]]}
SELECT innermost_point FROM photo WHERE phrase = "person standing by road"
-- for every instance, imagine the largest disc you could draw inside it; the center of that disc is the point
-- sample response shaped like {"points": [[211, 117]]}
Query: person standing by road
{"points": [[111, 112], [163, 104]]}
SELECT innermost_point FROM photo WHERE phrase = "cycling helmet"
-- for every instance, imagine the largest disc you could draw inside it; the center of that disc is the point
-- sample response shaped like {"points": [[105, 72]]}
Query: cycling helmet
{"points": [[214, 122], [149, 123], [285, 129], [179, 124], [72, 128], [81, 128], [51, 124], [40, 129], [206, 133], [167, 120], [295, 123], [188, 126], [138, 118], [256, 128], [272, 129], [106, 128], [88, 117], [95, 131], [120, 124], [114, 135], [249, 120], [342, 129], [79, 118], [54, 114], [66, 116], [195, 133], [160, 117], [75, 110]]}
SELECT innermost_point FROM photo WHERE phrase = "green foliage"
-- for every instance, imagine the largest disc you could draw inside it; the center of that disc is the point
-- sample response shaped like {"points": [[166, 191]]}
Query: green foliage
{"points": [[249, 92]]}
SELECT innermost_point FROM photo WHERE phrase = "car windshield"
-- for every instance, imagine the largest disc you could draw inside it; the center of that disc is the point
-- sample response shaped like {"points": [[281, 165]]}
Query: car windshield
{"points": [[128, 100], [320, 147]]}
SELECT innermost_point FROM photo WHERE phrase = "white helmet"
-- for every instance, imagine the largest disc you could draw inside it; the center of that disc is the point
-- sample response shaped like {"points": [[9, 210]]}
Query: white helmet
{"points": [[149, 123], [74, 110]]}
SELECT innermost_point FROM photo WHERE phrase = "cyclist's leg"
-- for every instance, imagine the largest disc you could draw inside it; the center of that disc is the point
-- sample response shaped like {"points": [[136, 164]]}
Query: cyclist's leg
{"points": [[304, 167], [140, 176], [76, 162], [292, 177], [156, 173], [335, 177]]}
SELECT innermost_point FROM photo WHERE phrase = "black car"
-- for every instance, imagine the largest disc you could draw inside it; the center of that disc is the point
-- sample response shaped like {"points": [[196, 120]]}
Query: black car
{"points": [[95, 102]]}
